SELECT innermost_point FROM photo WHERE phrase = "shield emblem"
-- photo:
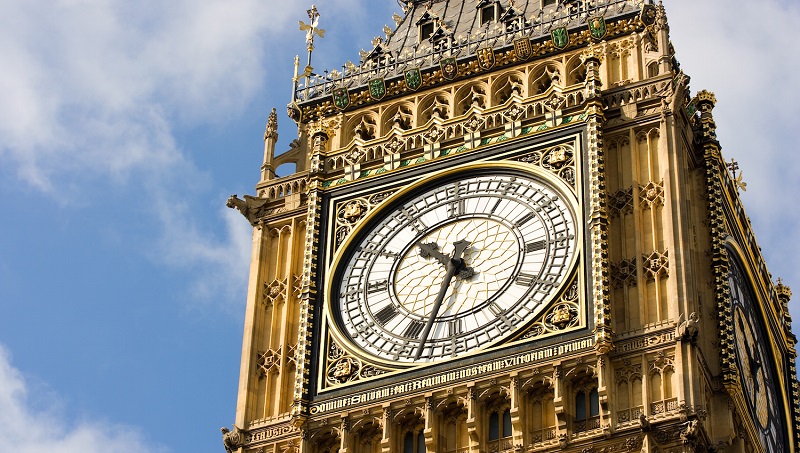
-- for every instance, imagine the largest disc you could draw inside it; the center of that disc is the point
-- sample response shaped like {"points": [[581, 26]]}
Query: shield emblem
{"points": [[341, 98], [413, 78], [377, 88], [449, 68], [560, 37], [485, 57], [597, 27], [648, 15], [523, 49]]}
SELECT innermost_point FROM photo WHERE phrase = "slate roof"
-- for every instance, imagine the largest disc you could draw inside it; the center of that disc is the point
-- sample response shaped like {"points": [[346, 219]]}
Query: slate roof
{"points": [[458, 32]]}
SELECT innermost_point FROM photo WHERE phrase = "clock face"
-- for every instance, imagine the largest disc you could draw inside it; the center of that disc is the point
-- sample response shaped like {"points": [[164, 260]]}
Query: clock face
{"points": [[755, 365], [455, 266]]}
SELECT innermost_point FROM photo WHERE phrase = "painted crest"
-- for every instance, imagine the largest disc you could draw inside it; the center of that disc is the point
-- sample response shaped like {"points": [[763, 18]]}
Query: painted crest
{"points": [[377, 88], [523, 48], [485, 57], [449, 68], [413, 78], [560, 37], [341, 98], [597, 27]]}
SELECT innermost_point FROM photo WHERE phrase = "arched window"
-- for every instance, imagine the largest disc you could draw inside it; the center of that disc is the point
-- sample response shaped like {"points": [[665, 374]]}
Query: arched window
{"points": [[500, 424], [587, 410], [414, 442]]}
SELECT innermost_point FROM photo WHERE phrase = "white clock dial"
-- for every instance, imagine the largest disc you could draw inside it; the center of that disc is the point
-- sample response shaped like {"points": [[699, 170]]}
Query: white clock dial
{"points": [[457, 266], [753, 360]]}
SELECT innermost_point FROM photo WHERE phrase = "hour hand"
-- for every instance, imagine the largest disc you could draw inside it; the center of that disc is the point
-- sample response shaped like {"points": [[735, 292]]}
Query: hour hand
{"points": [[432, 249]]}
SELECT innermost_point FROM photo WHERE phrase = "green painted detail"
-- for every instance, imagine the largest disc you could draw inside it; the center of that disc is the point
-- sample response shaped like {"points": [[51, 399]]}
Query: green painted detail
{"points": [[582, 117], [445, 152], [420, 160], [341, 181], [404, 163], [542, 127], [567, 120], [364, 173], [485, 141], [380, 170], [461, 148], [527, 130], [326, 183], [501, 138]]}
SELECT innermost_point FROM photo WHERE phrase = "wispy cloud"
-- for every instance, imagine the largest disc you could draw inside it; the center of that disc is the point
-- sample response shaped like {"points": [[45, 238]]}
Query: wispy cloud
{"points": [[754, 73], [32, 427]]}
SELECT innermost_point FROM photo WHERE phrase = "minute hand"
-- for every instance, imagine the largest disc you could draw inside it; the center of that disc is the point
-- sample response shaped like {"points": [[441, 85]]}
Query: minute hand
{"points": [[453, 265]]}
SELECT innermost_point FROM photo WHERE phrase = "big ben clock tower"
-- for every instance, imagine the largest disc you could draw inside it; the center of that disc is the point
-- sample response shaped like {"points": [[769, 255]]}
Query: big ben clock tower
{"points": [[511, 229]]}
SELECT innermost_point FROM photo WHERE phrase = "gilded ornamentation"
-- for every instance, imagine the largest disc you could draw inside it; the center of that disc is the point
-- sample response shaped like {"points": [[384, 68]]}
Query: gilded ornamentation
{"points": [[651, 195], [656, 265], [349, 213], [623, 273], [342, 368], [561, 316], [559, 159]]}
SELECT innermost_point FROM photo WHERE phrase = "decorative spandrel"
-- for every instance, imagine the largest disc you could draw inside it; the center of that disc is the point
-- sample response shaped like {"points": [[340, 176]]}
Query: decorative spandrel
{"points": [[348, 213], [562, 316], [559, 159]]}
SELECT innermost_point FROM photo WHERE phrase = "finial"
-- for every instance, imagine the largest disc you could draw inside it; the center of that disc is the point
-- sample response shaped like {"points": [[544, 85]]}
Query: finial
{"points": [[733, 166], [311, 30], [272, 125]]}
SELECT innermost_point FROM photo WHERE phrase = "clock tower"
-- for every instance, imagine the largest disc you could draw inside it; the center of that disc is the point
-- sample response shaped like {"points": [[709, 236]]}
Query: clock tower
{"points": [[510, 229]]}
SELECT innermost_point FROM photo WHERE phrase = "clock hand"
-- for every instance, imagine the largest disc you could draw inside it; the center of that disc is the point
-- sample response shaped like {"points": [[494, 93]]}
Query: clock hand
{"points": [[432, 249], [453, 265]]}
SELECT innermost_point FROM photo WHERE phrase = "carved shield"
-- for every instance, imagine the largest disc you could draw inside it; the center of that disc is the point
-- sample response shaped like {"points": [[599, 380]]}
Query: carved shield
{"points": [[413, 78], [377, 88], [341, 98], [523, 48], [597, 27], [485, 57], [560, 37], [648, 15], [449, 68]]}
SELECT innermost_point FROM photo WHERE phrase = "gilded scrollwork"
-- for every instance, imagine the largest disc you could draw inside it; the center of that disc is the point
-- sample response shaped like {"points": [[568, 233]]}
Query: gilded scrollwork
{"points": [[341, 367], [559, 159], [563, 315], [350, 212]]}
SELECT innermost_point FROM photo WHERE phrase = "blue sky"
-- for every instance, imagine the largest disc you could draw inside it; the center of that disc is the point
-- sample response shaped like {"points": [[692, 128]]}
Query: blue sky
{"points": [[124, 126]]}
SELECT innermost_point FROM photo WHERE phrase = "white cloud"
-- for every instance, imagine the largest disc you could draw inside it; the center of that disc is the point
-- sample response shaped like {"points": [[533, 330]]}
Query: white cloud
{"points": [[30, 429]]}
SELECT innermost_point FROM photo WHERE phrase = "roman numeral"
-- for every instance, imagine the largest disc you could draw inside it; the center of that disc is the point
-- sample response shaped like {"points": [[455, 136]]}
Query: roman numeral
{"points": [[352, 290], [386, 314], [525, 219], [535, 246], [414, 329], [524, 279], [376, 287], [377, 250], [454, 328], [412, 220]]}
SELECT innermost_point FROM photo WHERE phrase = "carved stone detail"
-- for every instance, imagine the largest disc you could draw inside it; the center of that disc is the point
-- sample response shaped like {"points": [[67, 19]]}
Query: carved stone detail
{"points": [[651, 195], [350, 212], [623, 273], [656, 265], [621, 202]]}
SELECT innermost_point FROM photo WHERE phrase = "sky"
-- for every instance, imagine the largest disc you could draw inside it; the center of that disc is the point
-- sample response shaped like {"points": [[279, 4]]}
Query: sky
{"points": [[124, 127]]}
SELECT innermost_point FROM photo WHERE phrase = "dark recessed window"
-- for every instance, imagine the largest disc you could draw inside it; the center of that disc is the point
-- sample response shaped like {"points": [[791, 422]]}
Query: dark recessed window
{"points": [[549, 2], [425, 31], [487, 14]]}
